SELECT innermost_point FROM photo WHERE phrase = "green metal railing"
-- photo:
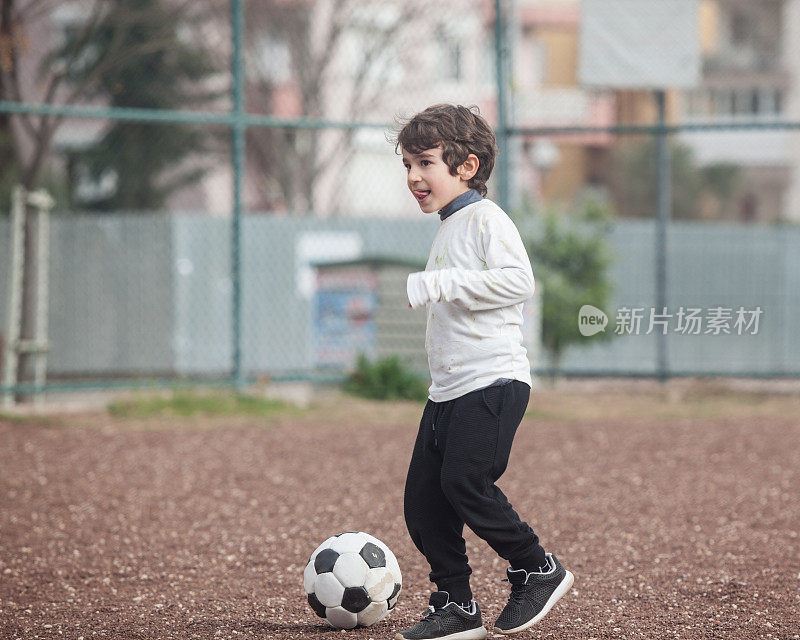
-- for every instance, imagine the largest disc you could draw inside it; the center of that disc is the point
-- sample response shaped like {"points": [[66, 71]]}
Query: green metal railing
{"points": [[237, 19], [239, 122]]}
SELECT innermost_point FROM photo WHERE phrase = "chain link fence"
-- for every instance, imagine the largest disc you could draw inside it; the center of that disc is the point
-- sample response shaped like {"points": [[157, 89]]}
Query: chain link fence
{"points": [[229, 205]]}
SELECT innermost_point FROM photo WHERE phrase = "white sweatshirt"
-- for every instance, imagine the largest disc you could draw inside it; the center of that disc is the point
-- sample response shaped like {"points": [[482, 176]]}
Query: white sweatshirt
{"points": [[477, 277]]}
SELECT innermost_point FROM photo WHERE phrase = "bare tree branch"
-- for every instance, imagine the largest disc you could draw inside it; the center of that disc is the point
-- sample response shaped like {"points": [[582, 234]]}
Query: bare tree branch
{"points": [[83, 42], [9, 78], [362, 99]]}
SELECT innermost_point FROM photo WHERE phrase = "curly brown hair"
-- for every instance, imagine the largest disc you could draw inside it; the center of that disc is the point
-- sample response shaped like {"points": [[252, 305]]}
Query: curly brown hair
{"points": [[459, 130]]}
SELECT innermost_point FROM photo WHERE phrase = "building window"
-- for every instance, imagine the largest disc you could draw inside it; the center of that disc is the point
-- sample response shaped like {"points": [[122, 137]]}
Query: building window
{"points": [[777, 102], [489, 61], [371, 55], [450, 56], [756, 101], [741, 28], [273, 60]]}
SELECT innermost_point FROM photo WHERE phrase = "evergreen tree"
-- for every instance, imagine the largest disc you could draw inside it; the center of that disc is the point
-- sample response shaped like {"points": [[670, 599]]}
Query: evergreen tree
{"points": [[139, 56], [571, 258], [697, 191]]}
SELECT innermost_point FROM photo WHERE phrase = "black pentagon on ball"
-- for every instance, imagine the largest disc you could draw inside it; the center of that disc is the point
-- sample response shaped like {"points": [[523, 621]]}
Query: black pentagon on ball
{"points": [[355, 599], [325, 560], [373, 555], [395, 591], [316, 605]]}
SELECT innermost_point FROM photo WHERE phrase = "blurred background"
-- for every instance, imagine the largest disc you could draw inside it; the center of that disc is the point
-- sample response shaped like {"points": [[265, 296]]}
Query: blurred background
{"points": [[209, 191]]}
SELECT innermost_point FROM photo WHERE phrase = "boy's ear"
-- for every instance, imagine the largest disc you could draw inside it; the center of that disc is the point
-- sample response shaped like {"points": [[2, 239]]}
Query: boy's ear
{"points": [[469, 167]]}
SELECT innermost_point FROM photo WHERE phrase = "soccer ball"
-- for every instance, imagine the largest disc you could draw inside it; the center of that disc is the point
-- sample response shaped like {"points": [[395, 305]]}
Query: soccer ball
{"points": [[352, 580]]}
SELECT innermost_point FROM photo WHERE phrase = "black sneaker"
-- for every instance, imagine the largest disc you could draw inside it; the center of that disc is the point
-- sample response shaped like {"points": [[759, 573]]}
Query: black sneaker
{"points": [[532, 595], [445, 619]]}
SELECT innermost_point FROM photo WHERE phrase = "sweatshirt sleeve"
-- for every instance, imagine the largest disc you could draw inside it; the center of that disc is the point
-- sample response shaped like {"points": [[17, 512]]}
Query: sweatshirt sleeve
{"points": [[507, 280]]}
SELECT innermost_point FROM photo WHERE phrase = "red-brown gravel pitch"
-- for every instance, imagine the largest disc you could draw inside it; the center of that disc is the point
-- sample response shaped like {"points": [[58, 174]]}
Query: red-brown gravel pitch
{"points": [[675, 526]]}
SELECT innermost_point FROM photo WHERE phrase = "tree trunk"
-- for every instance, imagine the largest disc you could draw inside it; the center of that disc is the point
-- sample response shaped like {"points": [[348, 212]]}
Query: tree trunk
{"points": [[555, 368], [9, 158], [7, 151]]}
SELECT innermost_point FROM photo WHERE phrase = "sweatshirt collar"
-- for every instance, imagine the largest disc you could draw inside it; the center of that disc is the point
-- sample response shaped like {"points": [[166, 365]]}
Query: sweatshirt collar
{"points": [[468, 197]]}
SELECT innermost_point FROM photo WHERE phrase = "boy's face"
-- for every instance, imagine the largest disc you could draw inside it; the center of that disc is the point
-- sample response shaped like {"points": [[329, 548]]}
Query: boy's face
{"points": [[430, 181]]}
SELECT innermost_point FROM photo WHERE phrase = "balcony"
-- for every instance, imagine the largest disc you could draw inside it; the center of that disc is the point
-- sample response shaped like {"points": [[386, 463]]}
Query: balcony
{"points": [[567, 107], [748, 148], [735, 61]]}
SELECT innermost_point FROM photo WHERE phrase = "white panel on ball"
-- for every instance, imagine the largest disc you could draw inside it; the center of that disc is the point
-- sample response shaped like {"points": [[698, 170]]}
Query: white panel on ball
{"points": [[379, 583], [349, 543], [324, 545], [374, 612], [350, 569], [329, 590], [341, 618], [393, 566], [309, 576]]}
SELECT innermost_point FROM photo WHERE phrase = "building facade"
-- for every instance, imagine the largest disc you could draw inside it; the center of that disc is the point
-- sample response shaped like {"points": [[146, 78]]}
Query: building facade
{"points": [[751, 68]]}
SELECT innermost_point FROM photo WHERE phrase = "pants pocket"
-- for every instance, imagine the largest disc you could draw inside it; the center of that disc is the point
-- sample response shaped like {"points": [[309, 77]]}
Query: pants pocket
{"points": [[494, 398]]}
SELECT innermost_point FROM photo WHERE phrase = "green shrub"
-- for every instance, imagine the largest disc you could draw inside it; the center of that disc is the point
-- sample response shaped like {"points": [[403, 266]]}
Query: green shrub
{"points": [[386, 379], [571, 258]]}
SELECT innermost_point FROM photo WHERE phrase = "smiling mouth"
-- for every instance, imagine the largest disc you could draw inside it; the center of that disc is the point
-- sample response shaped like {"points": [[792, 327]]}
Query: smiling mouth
{"points": [[421, 195]]}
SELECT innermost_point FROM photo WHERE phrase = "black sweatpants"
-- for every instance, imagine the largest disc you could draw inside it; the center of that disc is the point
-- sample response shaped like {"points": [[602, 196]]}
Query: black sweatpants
{"points": [[462, 448]]}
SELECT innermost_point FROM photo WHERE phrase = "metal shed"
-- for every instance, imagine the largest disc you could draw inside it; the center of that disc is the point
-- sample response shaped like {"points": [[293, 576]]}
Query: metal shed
{"points": [[360, 306]]}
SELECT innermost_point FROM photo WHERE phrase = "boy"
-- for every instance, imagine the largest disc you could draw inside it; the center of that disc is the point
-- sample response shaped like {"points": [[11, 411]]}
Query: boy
{"points": [[477, 277]]}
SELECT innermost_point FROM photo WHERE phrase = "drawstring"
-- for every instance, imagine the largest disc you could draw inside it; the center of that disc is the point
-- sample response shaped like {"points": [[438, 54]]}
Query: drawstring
{"points": [[434, 419]]}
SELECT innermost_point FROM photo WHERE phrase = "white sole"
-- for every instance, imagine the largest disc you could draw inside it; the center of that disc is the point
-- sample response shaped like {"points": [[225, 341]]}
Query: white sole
{"points": [[562, 588], [471, 634]]}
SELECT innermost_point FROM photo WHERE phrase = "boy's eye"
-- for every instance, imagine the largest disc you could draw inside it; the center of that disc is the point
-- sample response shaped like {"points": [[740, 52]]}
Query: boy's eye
{"points": [[423, 163]]}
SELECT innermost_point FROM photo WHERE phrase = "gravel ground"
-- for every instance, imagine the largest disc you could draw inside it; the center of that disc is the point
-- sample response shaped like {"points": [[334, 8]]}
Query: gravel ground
{"points": [[674, 526]]}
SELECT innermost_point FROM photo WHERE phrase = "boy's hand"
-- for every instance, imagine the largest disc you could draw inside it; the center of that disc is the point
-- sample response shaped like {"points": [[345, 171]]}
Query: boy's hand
{"points": [[416, 290]]}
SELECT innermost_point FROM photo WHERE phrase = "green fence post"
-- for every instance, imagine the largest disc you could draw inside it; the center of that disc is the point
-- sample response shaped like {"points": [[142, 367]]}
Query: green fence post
{"points": [[500, 45], [664, 209], [237, 153]]}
